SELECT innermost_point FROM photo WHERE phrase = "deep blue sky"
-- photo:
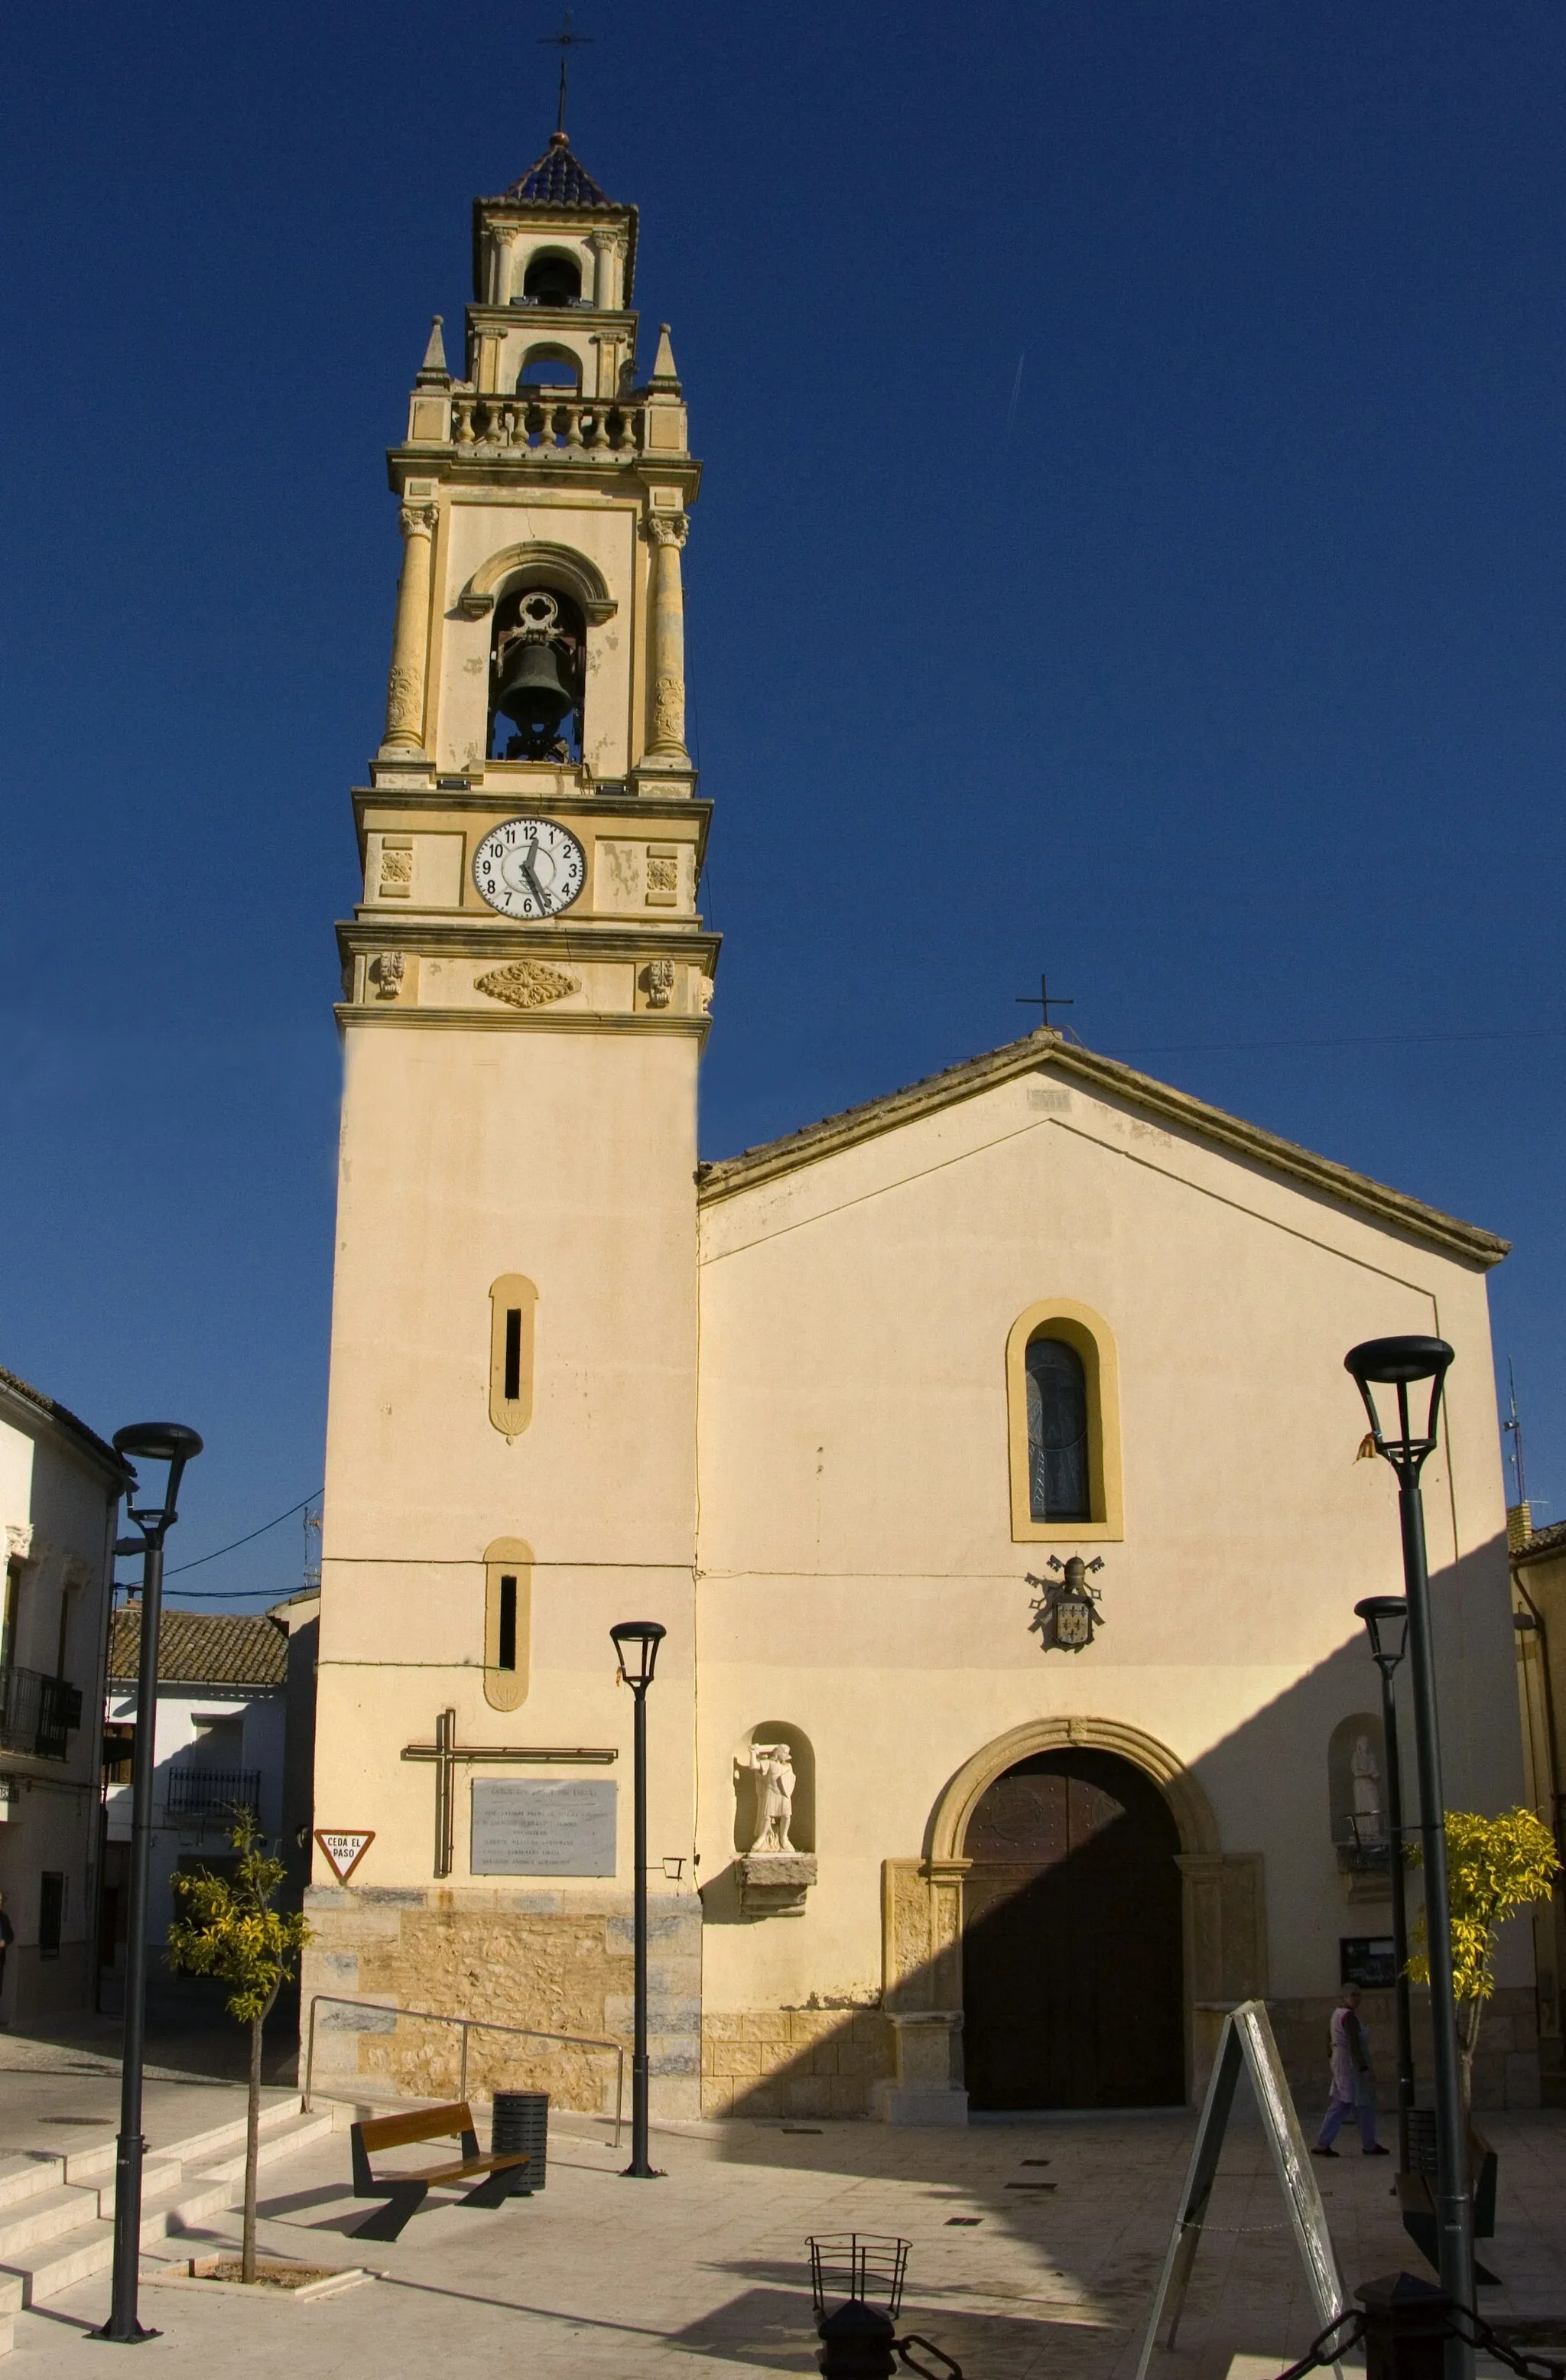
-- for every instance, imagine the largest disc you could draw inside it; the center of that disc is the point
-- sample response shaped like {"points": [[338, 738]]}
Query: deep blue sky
{"points": [[1222, 669]]}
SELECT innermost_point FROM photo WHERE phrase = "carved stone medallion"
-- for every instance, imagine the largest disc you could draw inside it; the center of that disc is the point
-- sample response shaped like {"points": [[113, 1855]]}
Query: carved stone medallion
{"points": [[527, 983]]}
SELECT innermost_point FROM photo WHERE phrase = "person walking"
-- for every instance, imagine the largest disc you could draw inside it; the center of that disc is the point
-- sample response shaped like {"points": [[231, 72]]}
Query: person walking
{"points": [[1353, 2081]]}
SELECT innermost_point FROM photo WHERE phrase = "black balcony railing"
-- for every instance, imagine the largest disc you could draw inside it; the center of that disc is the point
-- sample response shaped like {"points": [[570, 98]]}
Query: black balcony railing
{"points": [[37, 1713], [208, 1792]]}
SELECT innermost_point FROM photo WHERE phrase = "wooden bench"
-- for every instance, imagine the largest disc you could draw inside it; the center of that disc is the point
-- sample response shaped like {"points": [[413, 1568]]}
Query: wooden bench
{"points": [[1417, 2202], [405, 2192]]}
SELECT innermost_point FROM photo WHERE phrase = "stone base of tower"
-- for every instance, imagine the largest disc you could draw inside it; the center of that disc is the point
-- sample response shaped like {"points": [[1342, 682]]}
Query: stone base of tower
{"points": [[554, 1962]]}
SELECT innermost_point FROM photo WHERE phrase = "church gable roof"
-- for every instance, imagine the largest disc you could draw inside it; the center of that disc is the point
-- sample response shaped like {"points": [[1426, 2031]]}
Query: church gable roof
{"points": [[970, 1077], [559, 179]]}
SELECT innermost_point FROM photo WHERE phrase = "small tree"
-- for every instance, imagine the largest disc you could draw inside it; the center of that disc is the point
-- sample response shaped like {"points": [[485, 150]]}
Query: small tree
{"points": [[1495, 1866], [226, 1927]]}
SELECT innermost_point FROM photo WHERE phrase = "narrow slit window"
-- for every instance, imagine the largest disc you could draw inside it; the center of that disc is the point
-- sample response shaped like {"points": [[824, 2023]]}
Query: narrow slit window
{"points": [[513, 1305], [508, 1600]]}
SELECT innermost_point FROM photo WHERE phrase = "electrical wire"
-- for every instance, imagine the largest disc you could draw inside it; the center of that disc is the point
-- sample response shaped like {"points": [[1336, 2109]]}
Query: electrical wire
{"points": [[1336, 1041], [202, 1560]]}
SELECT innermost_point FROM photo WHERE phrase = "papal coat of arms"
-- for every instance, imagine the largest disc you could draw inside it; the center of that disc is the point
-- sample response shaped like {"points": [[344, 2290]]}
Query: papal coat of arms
{"points": [[1065, 1610]]}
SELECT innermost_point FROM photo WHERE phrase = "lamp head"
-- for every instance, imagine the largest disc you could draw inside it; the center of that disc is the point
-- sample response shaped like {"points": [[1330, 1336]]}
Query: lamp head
{"points": [[636, 1643], [1386, 1624], [166, 1442], [1400, 1364]]}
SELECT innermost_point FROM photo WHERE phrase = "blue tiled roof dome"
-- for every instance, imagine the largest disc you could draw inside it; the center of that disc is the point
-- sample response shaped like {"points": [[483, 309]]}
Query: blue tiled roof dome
{"points": [[557, 180]]}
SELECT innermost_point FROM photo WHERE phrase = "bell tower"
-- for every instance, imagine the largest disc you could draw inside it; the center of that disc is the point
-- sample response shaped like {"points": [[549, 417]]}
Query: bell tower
{"points": [[527, 982]]}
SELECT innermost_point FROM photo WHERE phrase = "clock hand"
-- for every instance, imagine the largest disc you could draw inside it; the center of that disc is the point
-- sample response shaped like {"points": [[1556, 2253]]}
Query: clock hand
{"points": [[534, 887]]}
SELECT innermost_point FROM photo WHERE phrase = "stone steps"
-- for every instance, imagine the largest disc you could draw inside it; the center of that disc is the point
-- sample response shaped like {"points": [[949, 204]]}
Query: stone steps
{"points": [[59, 2230]]}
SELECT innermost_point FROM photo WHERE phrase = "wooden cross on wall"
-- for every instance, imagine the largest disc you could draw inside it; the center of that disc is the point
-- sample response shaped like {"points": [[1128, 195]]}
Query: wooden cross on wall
{"points": [[445, 1752]]}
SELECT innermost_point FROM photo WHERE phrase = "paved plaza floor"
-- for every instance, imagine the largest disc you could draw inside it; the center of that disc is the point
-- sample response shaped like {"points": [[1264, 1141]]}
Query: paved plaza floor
{"points": [[599, 2276]]}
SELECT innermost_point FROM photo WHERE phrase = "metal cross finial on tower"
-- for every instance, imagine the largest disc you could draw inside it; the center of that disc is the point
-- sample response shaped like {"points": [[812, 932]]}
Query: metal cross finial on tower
{"points": [[1045, 999], [565, 40]]}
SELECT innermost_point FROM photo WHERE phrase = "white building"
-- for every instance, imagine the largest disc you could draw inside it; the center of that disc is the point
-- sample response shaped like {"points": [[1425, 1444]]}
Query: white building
{"points": [[59, 1490], [220, 1740]]}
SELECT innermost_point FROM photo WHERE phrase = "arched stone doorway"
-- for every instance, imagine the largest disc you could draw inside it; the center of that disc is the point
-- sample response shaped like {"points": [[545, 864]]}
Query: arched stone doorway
{"points": [[1072, 1968], [1223, 1921]]}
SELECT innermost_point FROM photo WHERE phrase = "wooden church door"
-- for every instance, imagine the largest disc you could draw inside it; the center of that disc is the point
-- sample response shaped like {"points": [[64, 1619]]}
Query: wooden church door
{"points": [[1073, 1976]]}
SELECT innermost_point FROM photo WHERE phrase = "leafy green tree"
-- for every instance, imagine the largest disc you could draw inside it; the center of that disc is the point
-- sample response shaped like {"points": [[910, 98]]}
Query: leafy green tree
{"points": [[227, 1927], [1495, 1866]]}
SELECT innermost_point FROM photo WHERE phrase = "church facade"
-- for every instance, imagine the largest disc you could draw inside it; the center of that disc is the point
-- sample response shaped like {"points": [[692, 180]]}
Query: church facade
{"points": [[986, 1452]]}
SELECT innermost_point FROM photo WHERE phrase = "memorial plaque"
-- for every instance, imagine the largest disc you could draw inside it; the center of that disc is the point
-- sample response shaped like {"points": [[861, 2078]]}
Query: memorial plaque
{"points": [[523, 1827]]}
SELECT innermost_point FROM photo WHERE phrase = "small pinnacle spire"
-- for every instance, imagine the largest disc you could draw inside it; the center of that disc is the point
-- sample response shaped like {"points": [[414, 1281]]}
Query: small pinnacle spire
{"points": [[434, 368], [664, 372]]}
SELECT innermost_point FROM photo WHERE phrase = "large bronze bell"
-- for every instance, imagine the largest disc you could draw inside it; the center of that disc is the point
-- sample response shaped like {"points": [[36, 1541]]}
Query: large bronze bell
{"points": [[531, 690]]}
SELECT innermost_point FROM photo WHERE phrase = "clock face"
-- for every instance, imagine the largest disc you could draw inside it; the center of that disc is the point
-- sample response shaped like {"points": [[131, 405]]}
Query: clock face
{"points": [[529, 867]]}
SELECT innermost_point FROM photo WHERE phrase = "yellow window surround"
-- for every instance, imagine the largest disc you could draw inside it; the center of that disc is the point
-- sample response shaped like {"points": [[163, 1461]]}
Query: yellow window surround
{"points": [[513, 1299], [508, 1611], [1090, 1334]]}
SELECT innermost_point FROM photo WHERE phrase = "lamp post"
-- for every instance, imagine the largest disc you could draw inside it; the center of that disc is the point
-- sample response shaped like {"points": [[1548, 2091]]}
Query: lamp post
{"points": [[1402, 1364], [144, 1443], [636, 1643], [1386, 1622]]}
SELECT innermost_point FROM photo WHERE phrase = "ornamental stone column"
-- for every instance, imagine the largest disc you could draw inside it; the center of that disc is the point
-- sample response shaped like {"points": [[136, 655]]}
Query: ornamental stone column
{"points": [[503, 261], [608, 247], [666, 534], [411, 638]]}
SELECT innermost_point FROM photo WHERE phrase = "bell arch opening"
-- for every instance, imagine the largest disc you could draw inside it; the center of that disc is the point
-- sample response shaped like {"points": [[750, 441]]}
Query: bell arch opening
{"points": [[552, 278], [553, 368], [537, 676]]}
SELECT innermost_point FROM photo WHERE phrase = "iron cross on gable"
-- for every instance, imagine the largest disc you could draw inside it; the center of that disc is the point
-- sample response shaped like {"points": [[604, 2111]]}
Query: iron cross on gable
{"points": [[1045, 1000], [445, 1752]]}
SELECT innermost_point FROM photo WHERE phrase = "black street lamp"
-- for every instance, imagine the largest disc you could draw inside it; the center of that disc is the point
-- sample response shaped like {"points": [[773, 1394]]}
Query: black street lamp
{"points": [[1386, 1622], [1402, 1365], [636, 1643], [144, 1443]]}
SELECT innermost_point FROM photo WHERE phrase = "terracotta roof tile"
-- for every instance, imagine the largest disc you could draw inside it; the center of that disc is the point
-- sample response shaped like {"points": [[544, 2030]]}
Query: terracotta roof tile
{"points": [[67, 1421], [202, 1648], [559, 179]]}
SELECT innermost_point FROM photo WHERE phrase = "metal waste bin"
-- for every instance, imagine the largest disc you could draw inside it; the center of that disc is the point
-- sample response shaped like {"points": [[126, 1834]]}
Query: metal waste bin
{"points": [[519, 2122]]}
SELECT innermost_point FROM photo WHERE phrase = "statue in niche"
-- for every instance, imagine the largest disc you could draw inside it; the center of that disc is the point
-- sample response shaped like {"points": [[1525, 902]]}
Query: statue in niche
{"points": [[773, 1764], [1365, 1771]]}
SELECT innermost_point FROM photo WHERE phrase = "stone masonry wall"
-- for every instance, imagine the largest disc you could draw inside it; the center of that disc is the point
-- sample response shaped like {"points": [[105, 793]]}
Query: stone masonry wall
{"points": [[793, 2061], [553, 1962], [1506, 2064]]}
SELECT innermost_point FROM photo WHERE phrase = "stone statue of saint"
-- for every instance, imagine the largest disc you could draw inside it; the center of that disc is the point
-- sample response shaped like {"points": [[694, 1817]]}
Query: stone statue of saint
{"points": [[1366, 1770], [773, 1764]]}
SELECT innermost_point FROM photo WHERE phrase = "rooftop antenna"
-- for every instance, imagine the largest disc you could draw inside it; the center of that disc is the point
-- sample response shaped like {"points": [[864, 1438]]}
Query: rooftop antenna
{"points": [[1514, 1428], [1044, 1000], [312, 1548], [565, 40]]}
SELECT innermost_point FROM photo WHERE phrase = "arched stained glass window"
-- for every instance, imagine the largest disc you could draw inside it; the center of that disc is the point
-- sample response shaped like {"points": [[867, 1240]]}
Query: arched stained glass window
{"points": [[1058, 1488]]}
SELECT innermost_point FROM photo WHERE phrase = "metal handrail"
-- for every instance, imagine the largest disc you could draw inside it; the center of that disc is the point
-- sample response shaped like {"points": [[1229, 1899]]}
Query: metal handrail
{"points": [[469, 2024]]}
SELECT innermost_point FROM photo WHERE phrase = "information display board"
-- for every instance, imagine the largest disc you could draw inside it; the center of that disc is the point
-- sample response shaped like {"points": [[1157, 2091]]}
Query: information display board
{"points": [[1247, 2041], [525, 1826]]}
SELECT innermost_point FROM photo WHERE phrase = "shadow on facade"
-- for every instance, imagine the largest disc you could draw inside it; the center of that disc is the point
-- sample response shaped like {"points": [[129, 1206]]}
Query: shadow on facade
{"points": [[1272, 1898]]}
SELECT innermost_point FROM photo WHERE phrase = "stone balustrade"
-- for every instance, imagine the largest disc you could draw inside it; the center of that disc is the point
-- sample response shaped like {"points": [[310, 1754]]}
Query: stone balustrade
{"points": [[576, 429]]}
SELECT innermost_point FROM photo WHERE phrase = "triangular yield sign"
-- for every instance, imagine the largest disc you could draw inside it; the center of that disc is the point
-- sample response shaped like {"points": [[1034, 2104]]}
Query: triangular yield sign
{"points": [[345, 1847]]}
